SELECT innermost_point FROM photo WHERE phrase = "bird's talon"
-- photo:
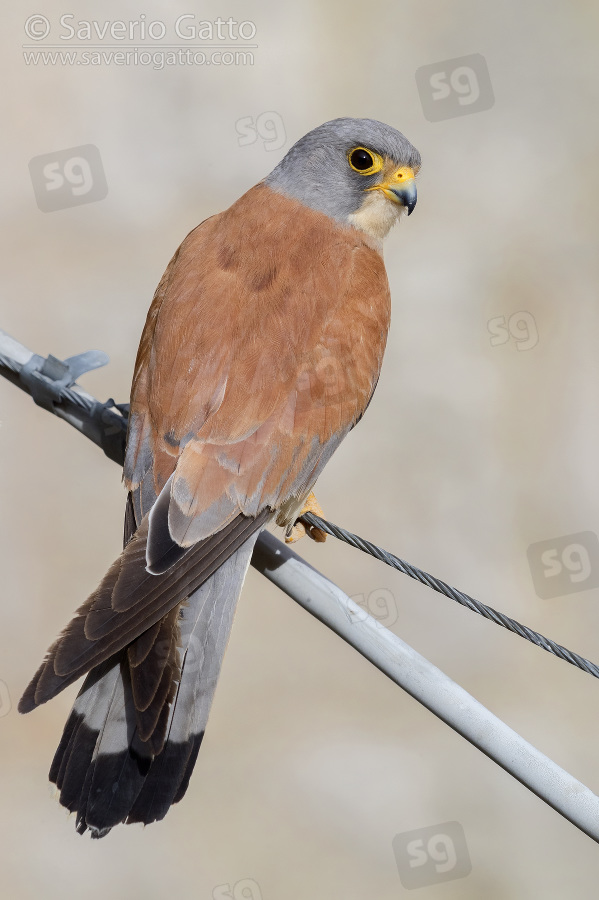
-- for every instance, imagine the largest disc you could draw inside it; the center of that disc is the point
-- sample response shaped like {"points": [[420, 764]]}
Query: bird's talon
{"points": [[299, 529]]}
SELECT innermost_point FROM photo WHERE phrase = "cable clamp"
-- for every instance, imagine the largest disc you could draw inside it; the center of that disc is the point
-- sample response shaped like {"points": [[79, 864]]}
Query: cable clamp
{"points": [[46, 378]]}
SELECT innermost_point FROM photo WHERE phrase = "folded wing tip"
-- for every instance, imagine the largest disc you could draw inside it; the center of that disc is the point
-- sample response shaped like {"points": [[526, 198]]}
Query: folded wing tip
{"points": [[26, 703], [29, 701]]}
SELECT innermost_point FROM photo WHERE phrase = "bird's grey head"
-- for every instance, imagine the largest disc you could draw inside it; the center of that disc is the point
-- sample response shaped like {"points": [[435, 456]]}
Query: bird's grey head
{"points": [[358, 171]]}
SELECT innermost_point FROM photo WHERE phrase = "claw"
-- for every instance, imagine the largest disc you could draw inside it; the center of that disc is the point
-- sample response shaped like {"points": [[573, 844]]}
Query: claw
{"points": [[299, 529]]}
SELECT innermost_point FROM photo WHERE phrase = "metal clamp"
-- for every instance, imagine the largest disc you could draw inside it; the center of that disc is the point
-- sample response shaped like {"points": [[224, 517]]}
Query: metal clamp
{"points": [[47, 378]]}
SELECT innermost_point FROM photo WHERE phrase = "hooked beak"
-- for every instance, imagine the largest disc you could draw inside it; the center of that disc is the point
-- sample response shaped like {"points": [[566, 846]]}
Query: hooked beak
{"points": [[400, 188]]}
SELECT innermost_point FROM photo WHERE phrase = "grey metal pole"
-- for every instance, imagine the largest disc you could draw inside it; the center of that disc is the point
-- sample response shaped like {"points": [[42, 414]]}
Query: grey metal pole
{"points": [[407, 668], [427, 684]]}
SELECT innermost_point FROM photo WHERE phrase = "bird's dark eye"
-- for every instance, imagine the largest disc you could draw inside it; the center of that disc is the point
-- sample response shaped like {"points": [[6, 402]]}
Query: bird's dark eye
{"points": [[361, 159], [364, 161]]}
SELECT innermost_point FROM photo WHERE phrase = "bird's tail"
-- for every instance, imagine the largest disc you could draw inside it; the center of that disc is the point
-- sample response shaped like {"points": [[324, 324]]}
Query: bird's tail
{"points": [[103, 769]]}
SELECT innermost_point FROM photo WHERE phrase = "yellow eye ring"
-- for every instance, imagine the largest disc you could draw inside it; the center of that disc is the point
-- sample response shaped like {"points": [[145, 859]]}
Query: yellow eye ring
{"points": [[364, 161]]}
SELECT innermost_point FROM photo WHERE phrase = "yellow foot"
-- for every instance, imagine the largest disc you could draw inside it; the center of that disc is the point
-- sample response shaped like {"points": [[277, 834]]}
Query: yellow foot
{"points": [[297, 531]]}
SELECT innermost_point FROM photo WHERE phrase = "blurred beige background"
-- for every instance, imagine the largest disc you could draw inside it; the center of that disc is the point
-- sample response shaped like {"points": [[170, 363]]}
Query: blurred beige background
{"points": [[470, 452]]}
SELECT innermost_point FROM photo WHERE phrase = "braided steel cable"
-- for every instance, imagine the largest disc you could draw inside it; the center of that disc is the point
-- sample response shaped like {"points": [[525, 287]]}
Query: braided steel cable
{"points": [[442, 588]]}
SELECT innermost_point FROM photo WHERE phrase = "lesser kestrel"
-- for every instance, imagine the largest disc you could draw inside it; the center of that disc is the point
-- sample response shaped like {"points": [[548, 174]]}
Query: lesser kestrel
{"points": [[260, 352]]}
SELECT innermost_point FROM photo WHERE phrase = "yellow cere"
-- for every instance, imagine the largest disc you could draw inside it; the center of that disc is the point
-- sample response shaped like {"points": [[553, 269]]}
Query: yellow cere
{"points": [[400, 176]]}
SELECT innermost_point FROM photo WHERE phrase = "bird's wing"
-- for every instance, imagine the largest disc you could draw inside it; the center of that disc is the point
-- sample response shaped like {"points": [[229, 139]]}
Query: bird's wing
{"points": [[129, 604], [260, 352]]}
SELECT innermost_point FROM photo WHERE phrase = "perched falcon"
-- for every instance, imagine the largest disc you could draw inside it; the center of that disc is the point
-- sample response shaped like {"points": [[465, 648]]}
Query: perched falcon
{"points": [[260, 352]]}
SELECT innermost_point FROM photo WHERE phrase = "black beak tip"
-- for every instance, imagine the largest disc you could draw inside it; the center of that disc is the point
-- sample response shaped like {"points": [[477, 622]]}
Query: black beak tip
{"points": [[407, 196]]}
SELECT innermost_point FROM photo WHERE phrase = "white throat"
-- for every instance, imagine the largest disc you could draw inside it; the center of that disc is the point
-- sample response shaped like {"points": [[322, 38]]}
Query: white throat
{"points": [[377, 215]]}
